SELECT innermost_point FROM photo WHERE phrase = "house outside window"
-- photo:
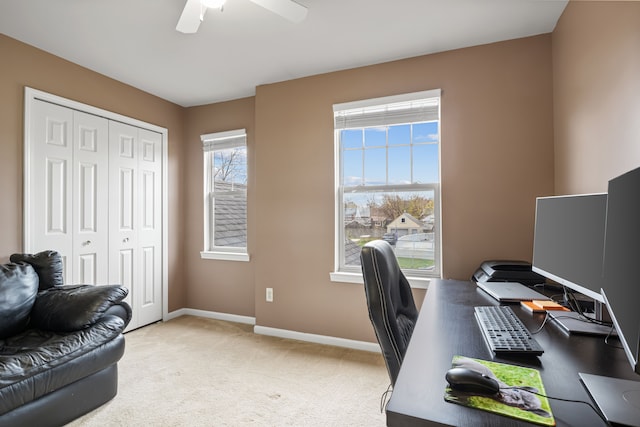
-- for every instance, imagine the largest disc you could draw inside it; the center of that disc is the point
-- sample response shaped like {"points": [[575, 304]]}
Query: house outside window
{"points": [[225, 195], [388, 182]]}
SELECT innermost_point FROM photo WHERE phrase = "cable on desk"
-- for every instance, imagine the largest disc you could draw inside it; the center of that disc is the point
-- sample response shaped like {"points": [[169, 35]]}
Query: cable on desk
{"points": [[574, 305], [561, 399], [384, 399], [544, 322], [606, 339]]}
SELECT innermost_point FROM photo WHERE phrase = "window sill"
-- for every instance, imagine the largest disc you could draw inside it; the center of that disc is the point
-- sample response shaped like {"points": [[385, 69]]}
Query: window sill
{"points": [[225, 256], [342, 277]]}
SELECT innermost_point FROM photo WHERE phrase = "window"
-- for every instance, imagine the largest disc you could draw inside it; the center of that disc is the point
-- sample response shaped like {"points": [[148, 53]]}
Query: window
{"points": [[225, 195], [388, 182]]}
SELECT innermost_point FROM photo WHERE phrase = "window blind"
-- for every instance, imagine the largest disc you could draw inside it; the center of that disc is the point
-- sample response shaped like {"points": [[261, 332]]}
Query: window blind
{"points": [[391, 110], [224, 140]]}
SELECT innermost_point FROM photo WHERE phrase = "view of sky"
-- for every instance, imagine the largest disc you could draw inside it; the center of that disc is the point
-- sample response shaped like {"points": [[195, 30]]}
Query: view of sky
{"points": [[398, 154]]}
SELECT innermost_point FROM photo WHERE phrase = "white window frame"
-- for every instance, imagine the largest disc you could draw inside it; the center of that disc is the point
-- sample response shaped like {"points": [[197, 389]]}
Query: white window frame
{"points": [[211, 142], [349, 111]]}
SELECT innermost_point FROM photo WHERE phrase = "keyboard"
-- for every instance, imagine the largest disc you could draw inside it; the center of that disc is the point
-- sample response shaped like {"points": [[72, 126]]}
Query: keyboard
{"points": [[504, 333]]}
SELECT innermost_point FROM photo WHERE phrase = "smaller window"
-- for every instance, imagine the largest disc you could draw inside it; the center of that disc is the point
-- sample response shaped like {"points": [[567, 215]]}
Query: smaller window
{"points": [[225, 195]]}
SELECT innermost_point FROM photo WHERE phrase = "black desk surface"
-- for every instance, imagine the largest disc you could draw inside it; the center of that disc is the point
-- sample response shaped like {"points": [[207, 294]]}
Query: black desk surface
{"points": [[447, 327]]}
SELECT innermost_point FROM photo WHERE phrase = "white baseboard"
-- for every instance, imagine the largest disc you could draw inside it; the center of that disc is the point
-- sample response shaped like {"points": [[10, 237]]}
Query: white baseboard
{"points": [[274, 332], [211, 315], [318, 339]]}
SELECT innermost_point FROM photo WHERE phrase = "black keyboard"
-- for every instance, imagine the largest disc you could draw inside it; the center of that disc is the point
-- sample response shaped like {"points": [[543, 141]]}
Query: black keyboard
{"points": [[504, 332]]}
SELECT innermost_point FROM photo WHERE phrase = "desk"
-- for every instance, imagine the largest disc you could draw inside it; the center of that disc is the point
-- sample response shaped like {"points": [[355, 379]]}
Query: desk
{"points": [[446, 326]]}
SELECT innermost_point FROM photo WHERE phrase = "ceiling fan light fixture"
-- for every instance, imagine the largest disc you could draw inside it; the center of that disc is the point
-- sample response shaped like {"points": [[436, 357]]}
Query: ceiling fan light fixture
{"points": [[194, 10], [213, 4]]}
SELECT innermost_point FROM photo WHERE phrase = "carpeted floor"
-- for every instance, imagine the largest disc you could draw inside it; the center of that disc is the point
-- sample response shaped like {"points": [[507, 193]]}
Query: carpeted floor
{"points": [[192, 371]]}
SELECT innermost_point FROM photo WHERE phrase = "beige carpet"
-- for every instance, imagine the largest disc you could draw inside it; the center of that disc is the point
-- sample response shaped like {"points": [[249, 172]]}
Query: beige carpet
{"points": [[192, 371]]}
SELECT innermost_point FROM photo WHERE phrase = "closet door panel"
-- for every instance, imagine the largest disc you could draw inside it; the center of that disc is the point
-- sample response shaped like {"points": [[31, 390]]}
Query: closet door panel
{"points": [[49, 181], [124, 256], [87, 269], [56, 196], [126, 182], [91, 199], [150, 231], [125, 268]]}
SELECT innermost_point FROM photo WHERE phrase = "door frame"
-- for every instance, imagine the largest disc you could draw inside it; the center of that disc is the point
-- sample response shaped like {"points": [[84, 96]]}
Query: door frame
{"points": [[30, 96]]}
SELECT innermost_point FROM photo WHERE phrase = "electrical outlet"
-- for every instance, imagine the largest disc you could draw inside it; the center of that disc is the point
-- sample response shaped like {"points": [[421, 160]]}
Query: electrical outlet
{"points": [[269, 294]]}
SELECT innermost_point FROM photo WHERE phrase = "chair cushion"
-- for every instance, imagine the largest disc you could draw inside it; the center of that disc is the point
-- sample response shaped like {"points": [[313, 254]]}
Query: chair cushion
{"points": [[48, 265], [18, 289], [35, 363], [71, 308]]}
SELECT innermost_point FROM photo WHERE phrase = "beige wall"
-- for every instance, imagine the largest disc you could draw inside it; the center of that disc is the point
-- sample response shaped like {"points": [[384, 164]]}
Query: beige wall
{"points": [[497, 155], [596, 78], [220, 286], [23, 65], [502, 106]]}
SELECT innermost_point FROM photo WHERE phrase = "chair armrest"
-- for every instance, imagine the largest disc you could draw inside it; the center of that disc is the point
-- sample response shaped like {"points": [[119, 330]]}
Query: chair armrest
{"points": [[122, 310], [71, 308]]}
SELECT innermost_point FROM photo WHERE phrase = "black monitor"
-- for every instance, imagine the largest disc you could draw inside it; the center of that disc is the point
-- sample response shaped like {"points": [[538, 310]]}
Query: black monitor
{"points": [[619, 399], [621, 284], [569, 240]]}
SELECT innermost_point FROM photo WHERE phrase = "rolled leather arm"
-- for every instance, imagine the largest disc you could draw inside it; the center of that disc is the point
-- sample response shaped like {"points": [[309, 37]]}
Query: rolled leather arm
{"points": [[71, 308], [122, 310]]}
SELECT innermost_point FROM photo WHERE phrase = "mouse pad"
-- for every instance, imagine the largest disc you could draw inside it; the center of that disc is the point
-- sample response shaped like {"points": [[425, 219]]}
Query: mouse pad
{"points": [[516, 398]]}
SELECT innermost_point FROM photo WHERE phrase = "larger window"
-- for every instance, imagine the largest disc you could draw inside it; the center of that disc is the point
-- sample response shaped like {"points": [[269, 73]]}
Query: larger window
{"points": [[388, 185], [225, 195]]}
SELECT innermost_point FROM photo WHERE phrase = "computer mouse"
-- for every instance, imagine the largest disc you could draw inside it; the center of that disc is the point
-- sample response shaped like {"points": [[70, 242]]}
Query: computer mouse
{"points": [[471, 381]]}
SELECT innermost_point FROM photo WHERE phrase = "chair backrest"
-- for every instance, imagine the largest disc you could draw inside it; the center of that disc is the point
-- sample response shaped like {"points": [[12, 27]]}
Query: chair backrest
{"points": [[392, 310]]}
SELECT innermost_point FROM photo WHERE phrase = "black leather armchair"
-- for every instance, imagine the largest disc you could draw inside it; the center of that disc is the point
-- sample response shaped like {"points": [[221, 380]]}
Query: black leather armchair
{"points": [[59, 344], [392, 310]]}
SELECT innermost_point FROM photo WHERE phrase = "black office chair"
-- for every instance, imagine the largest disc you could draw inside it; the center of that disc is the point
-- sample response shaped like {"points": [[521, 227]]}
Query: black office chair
{"points": [[392, 310]]}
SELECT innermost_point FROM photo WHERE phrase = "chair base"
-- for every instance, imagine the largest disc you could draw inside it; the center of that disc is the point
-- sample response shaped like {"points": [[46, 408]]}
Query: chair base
{"points": [[68, 403]]}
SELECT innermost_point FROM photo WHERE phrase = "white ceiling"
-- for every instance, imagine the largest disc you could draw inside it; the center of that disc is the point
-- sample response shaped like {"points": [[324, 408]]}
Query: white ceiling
{"points": [[135, 41]]}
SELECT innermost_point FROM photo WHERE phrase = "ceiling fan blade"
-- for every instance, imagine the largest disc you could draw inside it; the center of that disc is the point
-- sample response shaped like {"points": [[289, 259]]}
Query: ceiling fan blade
{"points": [[288, 9], [191, 17]]}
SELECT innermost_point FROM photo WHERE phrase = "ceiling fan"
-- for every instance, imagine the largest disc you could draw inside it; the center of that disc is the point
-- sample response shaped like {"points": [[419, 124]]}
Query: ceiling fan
{"points": [[194, 11]]}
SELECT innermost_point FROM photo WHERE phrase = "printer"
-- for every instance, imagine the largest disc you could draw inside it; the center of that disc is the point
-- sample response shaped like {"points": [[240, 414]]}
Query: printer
{"points": [[507, 271]]}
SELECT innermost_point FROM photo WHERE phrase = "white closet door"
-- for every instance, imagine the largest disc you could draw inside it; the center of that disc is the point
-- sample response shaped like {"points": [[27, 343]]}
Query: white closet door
{"points": [[91, 199], [49, 182], [124, 256], [135, 237], [94, 192], [149, 291]]}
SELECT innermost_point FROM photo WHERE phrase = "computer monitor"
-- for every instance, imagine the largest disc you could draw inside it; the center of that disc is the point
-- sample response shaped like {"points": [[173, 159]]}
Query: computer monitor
{"points": [[619, 399], [569, 240], [621, 284]]}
